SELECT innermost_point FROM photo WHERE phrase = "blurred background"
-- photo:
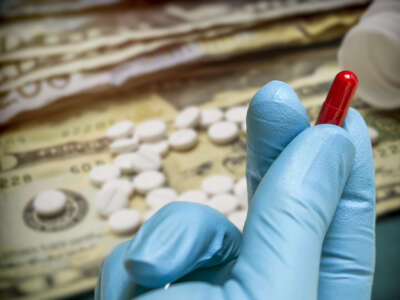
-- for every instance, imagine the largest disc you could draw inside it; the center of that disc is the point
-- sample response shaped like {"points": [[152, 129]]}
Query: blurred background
{"points": [[70, 69]]}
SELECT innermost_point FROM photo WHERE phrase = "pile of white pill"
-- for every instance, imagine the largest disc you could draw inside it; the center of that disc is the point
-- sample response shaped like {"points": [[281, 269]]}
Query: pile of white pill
{"points": [[139, 150]]}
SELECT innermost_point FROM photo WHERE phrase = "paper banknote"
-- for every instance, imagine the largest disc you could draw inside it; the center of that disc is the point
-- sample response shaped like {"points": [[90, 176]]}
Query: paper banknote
{"points": [[30, 70], [44, 259], [19, 8], [54, 86], [27, 38]]}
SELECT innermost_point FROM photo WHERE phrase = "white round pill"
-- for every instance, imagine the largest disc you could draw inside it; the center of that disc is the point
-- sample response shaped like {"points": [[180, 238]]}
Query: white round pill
{"points": [[238, 218], [49, 203], [223, 132], [183, 139], [224, 203], [217, 184], [151, 131], [157, 198], [124, 145], [236, 114], [188, 118], [139, 161], [209, 116], [161, 147], [120, 130], [196, 196], [113, 196], [149, 180], [124, 221], [123, 184], [244, 127], [373, 134], [240, 191], [100, 174]]}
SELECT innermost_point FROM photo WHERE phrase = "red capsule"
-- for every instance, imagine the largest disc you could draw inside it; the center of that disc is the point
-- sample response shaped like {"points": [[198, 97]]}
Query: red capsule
{"points": [[337, 102]]}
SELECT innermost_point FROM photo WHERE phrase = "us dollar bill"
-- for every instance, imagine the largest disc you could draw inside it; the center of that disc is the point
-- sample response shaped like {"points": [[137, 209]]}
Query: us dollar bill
{"points": [[58, 81], [26, 71], [77, 33], [49, 258], [28, 8]]}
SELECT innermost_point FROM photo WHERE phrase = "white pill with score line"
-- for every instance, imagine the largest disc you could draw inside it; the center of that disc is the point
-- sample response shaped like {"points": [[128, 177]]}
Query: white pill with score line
{"points": [[124, 145], [113, 196], [124, 221], [151, 131], [149, 180], [139, 161], [102, 173], [49, 203], [188, 118], [121, 129], [217, 184], [223, 132], [183, 139]]}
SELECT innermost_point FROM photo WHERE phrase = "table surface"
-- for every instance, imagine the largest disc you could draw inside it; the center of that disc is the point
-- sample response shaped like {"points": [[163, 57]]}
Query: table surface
{"points": [[387, 272]]}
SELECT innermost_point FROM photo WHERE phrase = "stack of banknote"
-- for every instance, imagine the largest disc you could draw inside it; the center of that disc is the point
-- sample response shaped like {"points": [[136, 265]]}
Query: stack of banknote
{"points": [[53, 50]]}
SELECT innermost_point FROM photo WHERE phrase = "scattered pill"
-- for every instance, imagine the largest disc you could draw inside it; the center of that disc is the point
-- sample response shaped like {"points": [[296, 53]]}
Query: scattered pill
{"points": [[224, 203], [223, 132], [120, 130], [188, 118], [244, 127], [113, 196], [124, 221], [124, 145], [49, 203], [236, 114], [196, 196], [373, 134], [139, 161], [217, 184], [238, 218], [183, 139], [240, 191], [123, 184], [209, 116], [159, 197], [149, 180], [123, 162], [160, 147], [100, 174], [151, 131]]}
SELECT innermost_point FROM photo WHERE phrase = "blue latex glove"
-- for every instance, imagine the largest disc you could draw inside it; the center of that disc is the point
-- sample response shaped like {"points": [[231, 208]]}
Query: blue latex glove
{"points": [[310, 227]]}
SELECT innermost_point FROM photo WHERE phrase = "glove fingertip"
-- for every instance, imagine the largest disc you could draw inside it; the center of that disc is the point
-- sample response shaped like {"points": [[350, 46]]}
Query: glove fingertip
{"points": [[280, 93]]}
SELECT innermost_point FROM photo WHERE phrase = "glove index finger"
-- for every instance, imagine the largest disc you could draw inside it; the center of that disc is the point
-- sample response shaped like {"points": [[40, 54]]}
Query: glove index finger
{"points": [[274, 118]]}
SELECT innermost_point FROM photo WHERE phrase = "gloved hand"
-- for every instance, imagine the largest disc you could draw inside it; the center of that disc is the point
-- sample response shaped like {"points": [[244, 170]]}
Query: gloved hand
{"points": [[309, 233]]}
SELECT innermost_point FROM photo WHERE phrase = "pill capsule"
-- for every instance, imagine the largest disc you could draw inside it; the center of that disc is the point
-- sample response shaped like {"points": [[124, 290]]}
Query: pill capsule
{"points": [[338, 101]]}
